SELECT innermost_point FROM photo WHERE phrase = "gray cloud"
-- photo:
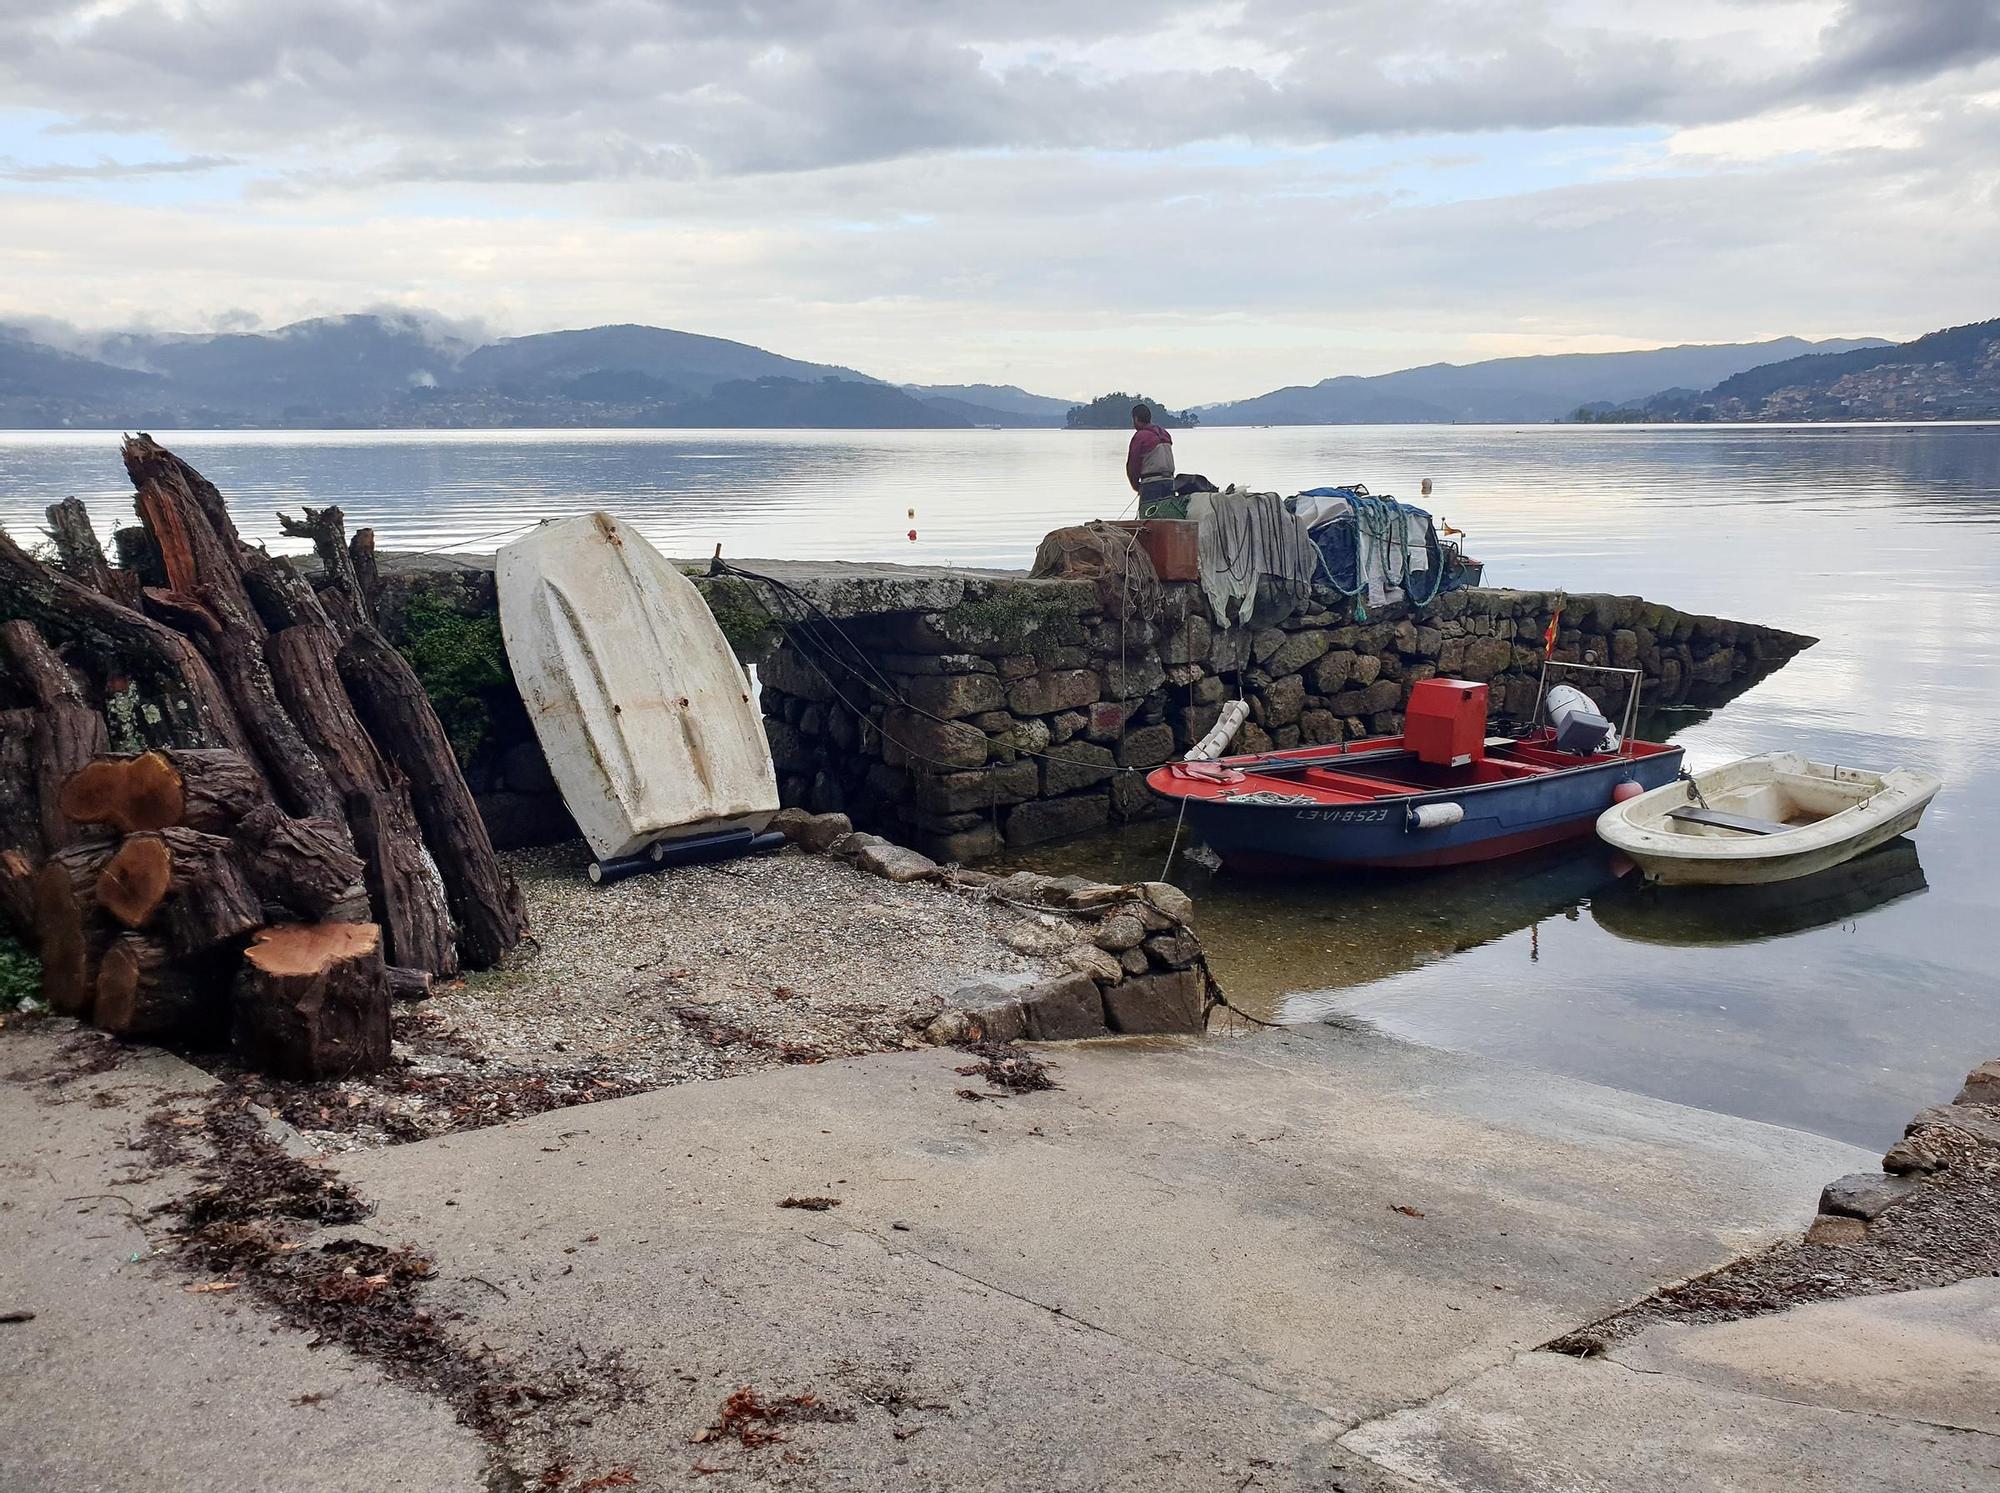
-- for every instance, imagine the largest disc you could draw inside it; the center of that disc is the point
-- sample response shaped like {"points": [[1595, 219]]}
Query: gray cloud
{"points": [[543, 91], [13, 170]]}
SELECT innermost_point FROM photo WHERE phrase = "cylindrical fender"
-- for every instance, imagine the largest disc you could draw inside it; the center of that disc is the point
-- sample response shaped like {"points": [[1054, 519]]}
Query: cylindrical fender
{"points": [[1434, 816]]}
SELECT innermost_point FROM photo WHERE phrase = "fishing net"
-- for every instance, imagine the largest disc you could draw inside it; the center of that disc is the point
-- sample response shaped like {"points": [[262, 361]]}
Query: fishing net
{"points": [[1127, 584]]}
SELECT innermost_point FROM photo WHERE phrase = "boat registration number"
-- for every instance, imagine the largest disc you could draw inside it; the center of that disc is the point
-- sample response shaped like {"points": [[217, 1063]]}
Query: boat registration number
{"points": [[1345, 816]]}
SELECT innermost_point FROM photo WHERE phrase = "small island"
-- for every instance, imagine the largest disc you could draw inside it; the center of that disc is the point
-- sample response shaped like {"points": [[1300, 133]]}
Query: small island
{"points": [[1114, 412]]}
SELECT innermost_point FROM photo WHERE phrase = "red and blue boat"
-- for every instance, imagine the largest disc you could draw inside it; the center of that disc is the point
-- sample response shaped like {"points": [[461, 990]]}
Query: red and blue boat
{"points": [[1442, 793]]}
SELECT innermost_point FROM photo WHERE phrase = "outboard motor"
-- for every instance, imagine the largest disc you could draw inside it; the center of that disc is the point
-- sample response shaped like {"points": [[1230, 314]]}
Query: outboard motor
{"points": [[1579, 726]]}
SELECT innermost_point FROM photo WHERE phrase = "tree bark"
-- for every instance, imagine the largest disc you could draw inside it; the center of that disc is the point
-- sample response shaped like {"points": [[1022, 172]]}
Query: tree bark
{"points": [[71, 934], [308, 866], [67, 733], [403, 883], [143, 991], [20, 808], [327, 529], [188, 886], [83, 557], [408, 984], [312, 1001], [17, 897], [368, 580], [484, 898], [204, 788], [116, 637], [138, 555]]}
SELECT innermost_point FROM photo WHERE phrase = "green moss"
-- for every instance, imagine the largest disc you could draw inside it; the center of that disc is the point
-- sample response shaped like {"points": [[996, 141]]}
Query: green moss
{"points": [[741, 613], [20, 975], [461, 660], [1018, 618]]}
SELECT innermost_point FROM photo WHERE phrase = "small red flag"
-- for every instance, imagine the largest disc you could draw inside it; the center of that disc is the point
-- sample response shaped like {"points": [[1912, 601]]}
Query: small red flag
{"points": [[1549, 637]]}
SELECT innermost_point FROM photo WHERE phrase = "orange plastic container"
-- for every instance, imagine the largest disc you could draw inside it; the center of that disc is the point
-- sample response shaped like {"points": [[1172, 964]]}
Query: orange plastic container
{"points": [[1172, 544], [1445, 723]]}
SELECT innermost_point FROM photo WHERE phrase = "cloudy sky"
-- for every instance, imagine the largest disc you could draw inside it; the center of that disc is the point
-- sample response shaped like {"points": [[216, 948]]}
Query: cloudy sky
{"points": [[1208, 200]]}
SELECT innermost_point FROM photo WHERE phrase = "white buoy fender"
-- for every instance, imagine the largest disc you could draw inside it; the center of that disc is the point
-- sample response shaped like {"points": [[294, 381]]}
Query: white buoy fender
{"points": [[1436, 816], [1234, 714]]}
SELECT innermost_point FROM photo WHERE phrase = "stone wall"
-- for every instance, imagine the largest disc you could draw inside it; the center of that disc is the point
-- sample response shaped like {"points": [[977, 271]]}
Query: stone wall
{"points": [[962, 712], [1032, 709]]}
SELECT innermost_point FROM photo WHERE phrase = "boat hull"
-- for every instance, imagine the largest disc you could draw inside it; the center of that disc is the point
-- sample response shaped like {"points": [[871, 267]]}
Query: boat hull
{"points": [[1893, 804], [1499, 820]]}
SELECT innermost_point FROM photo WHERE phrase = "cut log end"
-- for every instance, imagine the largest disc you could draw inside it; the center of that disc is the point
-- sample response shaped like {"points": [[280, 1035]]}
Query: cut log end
{"points": [[143, 992], [136, 881], [130, 793], [306, 949]]}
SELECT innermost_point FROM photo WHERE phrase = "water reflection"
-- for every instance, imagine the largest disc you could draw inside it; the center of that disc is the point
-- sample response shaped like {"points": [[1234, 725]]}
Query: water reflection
{"points": [[1755, 914]]}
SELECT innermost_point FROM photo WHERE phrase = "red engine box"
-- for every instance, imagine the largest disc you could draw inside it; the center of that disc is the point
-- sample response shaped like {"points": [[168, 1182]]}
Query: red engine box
{"points": [[1445, 723]]}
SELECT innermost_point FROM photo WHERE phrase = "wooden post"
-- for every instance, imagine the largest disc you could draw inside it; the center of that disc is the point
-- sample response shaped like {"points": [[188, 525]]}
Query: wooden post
{"points": [[312, 1001]]}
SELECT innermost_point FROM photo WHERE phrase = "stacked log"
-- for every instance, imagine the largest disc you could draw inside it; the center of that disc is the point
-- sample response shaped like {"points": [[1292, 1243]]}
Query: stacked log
{"points": [[213, 777]]}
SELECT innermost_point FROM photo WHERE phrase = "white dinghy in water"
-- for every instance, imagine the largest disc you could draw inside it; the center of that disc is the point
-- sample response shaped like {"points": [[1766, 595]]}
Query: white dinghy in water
{"points": [[643, 712], [1763, 819]]}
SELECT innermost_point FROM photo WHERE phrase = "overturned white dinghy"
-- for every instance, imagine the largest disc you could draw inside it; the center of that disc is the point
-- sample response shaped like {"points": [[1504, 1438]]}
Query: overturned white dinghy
{"points": [[1763, 819], [643, 712]]}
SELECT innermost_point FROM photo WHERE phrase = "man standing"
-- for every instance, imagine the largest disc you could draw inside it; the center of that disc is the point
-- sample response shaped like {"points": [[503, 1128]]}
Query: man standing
{"points": [[1149, 461]]}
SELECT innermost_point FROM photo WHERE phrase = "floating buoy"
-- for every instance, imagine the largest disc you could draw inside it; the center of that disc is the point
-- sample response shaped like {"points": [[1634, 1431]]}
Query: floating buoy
{"points": [[913, 536], [1427, 487], [1626, 791]]}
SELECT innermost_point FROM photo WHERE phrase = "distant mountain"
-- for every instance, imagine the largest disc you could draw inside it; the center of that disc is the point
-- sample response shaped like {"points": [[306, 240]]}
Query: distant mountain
{"points": [[1507, 390], [822, 404], [683, 361], [1949, 375], [998, 400]]}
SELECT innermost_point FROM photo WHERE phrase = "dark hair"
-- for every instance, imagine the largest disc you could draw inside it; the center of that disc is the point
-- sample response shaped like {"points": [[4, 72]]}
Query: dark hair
{"points": [[1143, 415]]}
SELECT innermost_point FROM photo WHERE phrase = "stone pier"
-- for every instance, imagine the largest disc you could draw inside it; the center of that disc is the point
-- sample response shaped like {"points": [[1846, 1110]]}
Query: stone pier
{"points": [[965, 711]]}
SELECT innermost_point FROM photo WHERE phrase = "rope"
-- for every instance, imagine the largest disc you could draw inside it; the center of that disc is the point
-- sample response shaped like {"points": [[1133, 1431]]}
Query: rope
{"points": [[1382, 522]]}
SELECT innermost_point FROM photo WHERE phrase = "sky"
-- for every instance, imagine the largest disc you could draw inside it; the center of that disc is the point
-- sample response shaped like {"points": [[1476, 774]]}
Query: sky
{"points": [[1203, 201]]}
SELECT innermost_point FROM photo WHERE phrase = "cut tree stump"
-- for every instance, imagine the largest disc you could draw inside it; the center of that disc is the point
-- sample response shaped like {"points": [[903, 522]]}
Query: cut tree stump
{"points": [[404, 887], [308, 866], [143, 991], [71, 936], [204, 788], [312, 1001], [188, 886], [83, 557]]}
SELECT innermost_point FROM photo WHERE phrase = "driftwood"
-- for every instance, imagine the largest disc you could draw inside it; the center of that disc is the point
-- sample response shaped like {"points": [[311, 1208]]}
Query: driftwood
{"points": [[307, 866], [188, 886], [484, 899], [66, 733], [203, 788], [119, 640], [403, 884], [407, 984], [83, 557], [71, 934], [312, 1001]]}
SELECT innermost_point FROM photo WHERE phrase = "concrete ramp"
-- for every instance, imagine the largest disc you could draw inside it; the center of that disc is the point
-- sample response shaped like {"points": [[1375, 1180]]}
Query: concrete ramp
{"points": [[1195, 1263]]}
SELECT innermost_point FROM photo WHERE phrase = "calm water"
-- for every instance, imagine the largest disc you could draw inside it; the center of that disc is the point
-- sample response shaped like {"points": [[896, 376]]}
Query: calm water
{"points": [[1842, 1008]]}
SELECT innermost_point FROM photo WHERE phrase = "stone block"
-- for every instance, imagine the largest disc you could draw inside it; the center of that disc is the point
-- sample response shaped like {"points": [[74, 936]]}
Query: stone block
{"points": [[1297, 651], [954, 695], [1624, 648], [1332, 673], [1107, 720], [1229, 650], [933, 663], [1119, 932], [1836, 1228], [1252, 738], [895, 863], [995, 1005], [1176, 950], [1063, 1009], [939, 743], [1074, 765], [1088, 959], [1053, 818], [1187, 642], [1167, 1002], [820, 831], [1133, 961], [1319, 728], [790, 752], [1367, 669], [1194, 722], [1132, 799], [1865, 1194], [1209, 690], [1148, 746], [1485, 657], [1281, 701], [1266, 642], [962, 792], [1053, 690], [789, 673], [1070, 722], [1135, 675], [1383, 694]]}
